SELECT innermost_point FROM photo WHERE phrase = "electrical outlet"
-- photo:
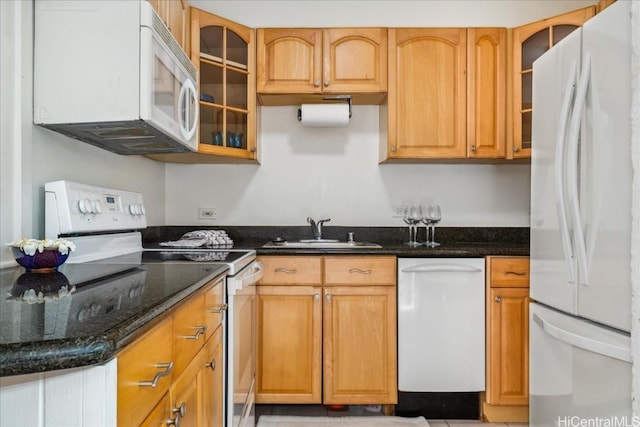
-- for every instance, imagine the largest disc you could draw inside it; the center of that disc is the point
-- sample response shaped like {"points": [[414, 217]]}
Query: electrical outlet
{"points": [[206, 213], [398, 211]]}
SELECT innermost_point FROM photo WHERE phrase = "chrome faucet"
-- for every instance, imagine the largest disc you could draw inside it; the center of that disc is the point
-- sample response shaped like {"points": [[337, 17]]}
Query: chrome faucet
{"points": [[316, 227]]}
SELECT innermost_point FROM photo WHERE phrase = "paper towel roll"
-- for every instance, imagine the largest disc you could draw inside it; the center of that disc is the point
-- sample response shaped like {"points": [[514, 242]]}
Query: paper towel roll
{"points": [[324, 115]]}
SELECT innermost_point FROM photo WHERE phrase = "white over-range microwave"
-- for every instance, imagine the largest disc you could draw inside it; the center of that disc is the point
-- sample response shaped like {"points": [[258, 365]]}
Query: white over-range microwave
{"points": [[110, 73]]}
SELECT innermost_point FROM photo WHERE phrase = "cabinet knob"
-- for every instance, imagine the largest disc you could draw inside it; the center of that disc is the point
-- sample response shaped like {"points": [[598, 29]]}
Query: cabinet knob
{"points": [[393, 148], [328, 297], [316, 83], [516, 149], [473, 148], [326, 82], [497, 299], [316, 297], [211, 364]]}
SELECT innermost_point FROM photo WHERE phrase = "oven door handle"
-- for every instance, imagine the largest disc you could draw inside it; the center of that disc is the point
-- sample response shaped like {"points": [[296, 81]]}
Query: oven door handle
{"points": [[254, 277]]}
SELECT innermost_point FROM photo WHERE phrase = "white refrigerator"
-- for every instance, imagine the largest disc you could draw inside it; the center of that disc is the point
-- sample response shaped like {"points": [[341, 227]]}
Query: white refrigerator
{"points": [[580, 317]]}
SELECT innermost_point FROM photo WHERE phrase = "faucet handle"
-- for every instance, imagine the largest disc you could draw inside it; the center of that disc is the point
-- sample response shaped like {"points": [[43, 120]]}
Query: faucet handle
{"points": [[322, 221]]}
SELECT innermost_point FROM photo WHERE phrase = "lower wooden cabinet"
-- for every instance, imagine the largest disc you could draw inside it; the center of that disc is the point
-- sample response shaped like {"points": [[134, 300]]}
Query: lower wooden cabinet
{"points": [[329, 341], [507, 391], [360, 345], [289, 363], [173, 373]]}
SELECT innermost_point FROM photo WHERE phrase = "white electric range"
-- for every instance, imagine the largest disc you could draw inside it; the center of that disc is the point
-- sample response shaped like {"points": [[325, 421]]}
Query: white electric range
{"points": [[105, 224]]}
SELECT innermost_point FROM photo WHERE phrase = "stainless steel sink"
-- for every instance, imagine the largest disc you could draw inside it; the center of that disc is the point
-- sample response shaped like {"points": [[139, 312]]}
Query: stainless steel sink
{"points": [[320, 244]]}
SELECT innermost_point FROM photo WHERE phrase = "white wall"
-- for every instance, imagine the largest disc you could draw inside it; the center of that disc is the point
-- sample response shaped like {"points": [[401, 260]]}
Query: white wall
{"points": [[32, 156], [334, 172]]}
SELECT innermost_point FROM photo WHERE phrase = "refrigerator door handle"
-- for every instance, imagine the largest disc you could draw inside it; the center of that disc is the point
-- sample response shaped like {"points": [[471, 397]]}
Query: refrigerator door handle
{"points": [[572, 170], [559, 166], [582, 342]]}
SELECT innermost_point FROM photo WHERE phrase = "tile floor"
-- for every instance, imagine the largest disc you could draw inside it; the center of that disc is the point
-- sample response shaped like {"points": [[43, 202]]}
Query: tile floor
{"points": [[319, 410]]}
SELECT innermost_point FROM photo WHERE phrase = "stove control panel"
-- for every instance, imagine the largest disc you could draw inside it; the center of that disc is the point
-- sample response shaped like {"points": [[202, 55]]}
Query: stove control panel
{"points": [[71, 207]]}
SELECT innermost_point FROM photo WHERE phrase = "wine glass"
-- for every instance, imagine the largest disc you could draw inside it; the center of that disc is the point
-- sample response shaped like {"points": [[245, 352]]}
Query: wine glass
{"points": [[412, 217], [433, 216]]}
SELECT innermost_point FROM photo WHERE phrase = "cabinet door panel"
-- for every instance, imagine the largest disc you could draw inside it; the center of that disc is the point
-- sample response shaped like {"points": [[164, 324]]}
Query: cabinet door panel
{"points": [[289, 60], [212, 382], [429, 105], [486, 98], [289, 344], [508, 367], [360, 345], [355, 60]]}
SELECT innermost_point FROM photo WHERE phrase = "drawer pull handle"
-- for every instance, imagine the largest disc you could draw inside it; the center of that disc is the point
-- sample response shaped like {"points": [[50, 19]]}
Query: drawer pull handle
{"points": [[286, 270], [200, 330], [357, 270], [515, 273], [220, 308], [168, 367], [211, 364]]}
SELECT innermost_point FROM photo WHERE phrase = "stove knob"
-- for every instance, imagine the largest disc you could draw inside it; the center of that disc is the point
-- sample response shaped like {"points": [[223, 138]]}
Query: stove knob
{"points": [[97, 207], [84, 206], [143, 211], [132, 209]]}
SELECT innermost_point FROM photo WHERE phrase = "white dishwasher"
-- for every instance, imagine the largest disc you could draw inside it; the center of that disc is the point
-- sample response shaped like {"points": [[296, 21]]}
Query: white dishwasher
{"points": [[441, 324]]}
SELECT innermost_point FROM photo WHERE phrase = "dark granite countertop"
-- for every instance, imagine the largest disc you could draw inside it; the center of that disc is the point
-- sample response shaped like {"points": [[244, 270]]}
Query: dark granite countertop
{"points": [[87, 312], [455, 241]]}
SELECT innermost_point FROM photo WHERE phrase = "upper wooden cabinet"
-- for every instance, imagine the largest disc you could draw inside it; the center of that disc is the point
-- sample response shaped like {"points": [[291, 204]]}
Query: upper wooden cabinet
{"points": [[529, 43], [175, 15], [224, 53], [447, 96], [327, 61], [486, 92]]}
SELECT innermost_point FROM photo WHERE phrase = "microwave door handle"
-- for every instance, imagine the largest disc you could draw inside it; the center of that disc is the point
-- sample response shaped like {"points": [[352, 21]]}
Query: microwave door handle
{"points": [[192, 97], [187, 95], [559, 172], [572, 175]]}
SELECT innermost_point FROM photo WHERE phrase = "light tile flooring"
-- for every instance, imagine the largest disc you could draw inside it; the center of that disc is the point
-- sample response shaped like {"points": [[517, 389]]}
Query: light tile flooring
{"points": [[319, 410]]}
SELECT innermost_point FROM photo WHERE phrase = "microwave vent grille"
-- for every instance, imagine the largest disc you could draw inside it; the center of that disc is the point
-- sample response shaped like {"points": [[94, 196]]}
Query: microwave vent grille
{"points": [[163, 32]]}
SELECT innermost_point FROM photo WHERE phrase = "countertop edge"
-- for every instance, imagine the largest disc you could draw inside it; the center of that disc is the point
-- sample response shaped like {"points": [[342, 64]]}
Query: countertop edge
{"points": [[53, 355]]}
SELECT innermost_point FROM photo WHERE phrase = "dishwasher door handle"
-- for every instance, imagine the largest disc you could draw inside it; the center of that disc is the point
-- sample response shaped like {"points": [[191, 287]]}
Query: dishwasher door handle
{"points": [[457, 268]]}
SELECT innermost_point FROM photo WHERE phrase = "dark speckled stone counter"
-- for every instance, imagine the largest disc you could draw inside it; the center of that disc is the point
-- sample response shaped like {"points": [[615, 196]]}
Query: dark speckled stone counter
{"points": [[456, 241], [89, 321]]}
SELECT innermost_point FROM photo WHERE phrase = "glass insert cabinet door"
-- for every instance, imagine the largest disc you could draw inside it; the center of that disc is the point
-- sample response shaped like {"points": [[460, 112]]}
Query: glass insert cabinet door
{"points": [[530, 42], [224, 52]]}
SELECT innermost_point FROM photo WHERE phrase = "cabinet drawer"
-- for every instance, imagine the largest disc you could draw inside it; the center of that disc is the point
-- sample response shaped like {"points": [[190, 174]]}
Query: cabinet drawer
{"points": [[360, 270], [189, 331], [291, 270], [508, 271], [214, 306], [143, 361]]}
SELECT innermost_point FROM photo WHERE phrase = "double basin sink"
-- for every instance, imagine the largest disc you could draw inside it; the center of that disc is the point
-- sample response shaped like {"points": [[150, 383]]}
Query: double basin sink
{"points": [[319, 244]]}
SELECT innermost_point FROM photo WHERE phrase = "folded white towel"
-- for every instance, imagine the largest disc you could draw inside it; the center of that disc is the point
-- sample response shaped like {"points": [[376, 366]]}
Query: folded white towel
{"points": [[201, 238]]}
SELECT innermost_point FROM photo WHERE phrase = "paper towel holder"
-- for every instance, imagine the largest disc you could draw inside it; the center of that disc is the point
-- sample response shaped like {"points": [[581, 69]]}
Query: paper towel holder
{"points": [[346, 98]]}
